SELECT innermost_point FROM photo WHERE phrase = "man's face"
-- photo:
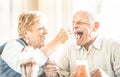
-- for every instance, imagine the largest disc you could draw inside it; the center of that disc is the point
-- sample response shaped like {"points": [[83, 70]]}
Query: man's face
{"points": [[37, 35], [82, 28]]}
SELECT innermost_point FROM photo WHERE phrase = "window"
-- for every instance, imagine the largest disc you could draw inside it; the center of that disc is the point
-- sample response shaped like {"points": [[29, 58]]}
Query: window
{"points": [[9, 13], [108, 15]]}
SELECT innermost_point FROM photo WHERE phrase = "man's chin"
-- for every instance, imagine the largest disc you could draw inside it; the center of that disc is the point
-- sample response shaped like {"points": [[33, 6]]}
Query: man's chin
{"points": [[79, 43]]}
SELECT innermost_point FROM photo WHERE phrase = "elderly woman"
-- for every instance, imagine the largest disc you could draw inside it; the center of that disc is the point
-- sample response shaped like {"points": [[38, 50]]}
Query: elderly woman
{"points": [[29, 50]]}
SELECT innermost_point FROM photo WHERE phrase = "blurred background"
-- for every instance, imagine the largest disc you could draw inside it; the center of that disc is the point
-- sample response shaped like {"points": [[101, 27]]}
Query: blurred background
{"points": [[59, 14]]}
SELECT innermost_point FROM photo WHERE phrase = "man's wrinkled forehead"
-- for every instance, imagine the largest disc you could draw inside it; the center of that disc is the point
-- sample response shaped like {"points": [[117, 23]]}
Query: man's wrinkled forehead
{"points": [[81, 16]]}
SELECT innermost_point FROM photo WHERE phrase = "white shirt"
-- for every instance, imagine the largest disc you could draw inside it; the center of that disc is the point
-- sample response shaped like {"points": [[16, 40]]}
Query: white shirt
{"points": [[103, 54], [11, 55]]}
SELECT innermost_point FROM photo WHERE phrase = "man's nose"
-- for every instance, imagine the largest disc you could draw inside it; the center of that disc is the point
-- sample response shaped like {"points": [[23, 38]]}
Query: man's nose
{"points": [[45, 31]]}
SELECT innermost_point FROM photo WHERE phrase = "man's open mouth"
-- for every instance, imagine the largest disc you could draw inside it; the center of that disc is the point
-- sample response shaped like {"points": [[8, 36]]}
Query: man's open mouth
{"points": [[78, 34]]}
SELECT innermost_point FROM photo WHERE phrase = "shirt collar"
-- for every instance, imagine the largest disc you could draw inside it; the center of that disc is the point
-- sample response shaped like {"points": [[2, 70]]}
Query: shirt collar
{"points": [[97, 42]]}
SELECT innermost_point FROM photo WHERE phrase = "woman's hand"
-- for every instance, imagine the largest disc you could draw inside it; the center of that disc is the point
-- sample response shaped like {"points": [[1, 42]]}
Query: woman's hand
{"points": [[51, 69], [28, 65], [62, 36]]}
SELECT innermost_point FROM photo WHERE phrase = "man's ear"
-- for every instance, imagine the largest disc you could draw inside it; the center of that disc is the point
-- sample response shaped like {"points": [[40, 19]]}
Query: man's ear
{"points": [[96, 26]]}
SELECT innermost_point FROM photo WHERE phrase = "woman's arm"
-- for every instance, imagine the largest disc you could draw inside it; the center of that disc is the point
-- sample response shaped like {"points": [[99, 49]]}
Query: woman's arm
{"points": [[60, 38]]}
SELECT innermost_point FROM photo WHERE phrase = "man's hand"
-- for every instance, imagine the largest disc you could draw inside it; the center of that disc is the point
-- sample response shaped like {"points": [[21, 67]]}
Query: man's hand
{"points": [[98, 73]]}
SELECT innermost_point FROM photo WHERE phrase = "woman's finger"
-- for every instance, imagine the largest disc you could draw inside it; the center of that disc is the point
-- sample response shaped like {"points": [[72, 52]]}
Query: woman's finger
{"points": [[23, 70]]}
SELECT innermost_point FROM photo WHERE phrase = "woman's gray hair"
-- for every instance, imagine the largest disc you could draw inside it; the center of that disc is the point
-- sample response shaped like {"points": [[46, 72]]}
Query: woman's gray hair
{"points": [[29, 19]]}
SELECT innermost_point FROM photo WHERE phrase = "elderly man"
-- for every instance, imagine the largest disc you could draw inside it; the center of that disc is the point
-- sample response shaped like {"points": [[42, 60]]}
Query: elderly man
{"points": [[101, 54]]}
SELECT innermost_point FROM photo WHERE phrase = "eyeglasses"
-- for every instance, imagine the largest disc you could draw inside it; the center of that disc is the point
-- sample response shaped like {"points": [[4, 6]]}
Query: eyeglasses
{"points": [[42, 29], [80, 23]]}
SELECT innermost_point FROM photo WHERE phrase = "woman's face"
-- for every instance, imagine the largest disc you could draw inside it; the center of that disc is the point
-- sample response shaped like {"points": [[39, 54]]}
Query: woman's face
{"points": [[37, 35]]}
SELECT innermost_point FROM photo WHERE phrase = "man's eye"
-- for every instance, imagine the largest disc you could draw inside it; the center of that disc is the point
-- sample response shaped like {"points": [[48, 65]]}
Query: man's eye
{"points": [[41, 28], [75, 28], [80, 23]]}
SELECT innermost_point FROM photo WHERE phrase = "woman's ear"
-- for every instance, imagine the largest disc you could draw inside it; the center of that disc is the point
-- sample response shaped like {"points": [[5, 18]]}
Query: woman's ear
{"points": [[27, 34]]}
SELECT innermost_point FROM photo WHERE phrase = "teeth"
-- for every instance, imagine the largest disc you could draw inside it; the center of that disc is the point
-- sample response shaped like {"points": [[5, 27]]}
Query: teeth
{"points": [[77, 36], [78, 33]]}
